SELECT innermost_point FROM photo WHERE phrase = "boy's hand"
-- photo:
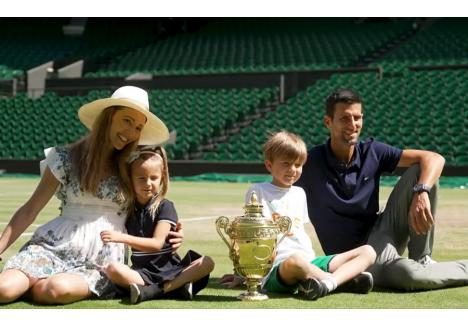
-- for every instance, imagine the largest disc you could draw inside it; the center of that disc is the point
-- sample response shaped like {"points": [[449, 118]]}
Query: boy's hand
{"points": [[275, 217], [176, 237], [232, 280], [111, 236]]}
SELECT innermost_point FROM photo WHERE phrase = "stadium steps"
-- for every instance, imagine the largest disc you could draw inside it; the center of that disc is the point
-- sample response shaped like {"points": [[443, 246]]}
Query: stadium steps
{"points": [[385, 49], [211, 145]]}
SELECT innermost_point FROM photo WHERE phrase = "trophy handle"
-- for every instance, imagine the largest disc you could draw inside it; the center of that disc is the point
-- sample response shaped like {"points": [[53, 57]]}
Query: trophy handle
{"points": [[222, 223], [284, 224]]}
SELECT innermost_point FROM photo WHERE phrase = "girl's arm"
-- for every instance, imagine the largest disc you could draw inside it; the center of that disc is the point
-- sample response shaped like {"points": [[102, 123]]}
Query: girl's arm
{"points": [[27, 213], [155, 243]]}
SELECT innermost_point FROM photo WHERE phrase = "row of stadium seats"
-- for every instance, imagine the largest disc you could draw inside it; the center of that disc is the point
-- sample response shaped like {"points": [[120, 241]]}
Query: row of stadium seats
{"points": [[412, 115], [26, 43], [231, 45], [28, 126], [258, 45], [443, 43]]}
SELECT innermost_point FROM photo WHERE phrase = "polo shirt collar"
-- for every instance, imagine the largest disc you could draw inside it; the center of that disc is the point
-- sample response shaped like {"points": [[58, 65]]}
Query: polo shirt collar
{"points": [[336, 164], [148, 204]]}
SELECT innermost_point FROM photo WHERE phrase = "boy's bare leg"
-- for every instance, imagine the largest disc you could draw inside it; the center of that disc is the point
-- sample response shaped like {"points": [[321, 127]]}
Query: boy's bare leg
{"points": [[349, 264], [295, 269]]}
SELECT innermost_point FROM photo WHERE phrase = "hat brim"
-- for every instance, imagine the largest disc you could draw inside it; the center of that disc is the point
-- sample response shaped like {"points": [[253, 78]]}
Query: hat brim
{"points": [[154, 131]]}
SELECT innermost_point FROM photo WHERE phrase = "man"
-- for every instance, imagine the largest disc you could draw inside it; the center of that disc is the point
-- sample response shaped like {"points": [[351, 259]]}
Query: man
{"points": [[341, 181]]}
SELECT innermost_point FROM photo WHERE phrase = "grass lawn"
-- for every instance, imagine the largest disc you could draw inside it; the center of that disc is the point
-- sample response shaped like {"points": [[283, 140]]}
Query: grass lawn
{"points": [[199, 204]]}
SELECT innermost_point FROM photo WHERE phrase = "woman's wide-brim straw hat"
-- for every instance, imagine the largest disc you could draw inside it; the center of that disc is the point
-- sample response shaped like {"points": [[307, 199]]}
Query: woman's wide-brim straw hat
{"points": [[154, 131]]}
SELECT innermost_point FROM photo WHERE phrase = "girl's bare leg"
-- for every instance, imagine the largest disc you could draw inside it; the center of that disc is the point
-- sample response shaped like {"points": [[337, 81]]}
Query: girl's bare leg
{"points": [[197, 270], [123, 275]]}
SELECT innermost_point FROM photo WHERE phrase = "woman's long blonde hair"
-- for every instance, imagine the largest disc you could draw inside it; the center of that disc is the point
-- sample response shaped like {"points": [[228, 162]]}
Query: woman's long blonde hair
{"points": [[144, 153], [89, 164]]}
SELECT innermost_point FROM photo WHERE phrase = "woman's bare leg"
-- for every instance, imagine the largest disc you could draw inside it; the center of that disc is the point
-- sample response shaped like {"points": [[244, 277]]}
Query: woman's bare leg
{"points": [[13, 284], [60, 289]]}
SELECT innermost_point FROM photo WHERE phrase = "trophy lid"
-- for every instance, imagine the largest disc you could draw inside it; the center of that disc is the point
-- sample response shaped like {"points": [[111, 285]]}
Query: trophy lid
{"points": [[253, 208], [253, 213]]}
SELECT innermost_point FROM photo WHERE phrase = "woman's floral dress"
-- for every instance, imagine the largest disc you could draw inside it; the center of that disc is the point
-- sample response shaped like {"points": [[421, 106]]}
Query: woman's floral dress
{"points": [[71, 242]]}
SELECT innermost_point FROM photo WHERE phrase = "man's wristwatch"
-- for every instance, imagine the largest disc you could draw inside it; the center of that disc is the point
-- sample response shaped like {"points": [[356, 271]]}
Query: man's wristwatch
{"points": [[421, 187]]}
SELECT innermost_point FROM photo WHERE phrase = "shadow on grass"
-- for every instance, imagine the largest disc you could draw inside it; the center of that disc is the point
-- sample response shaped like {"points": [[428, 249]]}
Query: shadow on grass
{"points": [[214, 283], [197, 298], [215, 298]]}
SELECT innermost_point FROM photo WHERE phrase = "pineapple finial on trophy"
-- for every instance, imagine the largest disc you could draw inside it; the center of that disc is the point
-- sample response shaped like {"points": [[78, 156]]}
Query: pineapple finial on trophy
{"points": [[254, 208]]}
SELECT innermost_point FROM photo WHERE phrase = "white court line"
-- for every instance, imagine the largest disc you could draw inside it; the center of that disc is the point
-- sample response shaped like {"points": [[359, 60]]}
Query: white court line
{"points": [[201, 218]]}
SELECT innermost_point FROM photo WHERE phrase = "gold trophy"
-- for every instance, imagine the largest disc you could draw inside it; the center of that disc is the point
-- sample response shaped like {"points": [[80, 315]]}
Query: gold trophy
{"points": [[252, 245]]}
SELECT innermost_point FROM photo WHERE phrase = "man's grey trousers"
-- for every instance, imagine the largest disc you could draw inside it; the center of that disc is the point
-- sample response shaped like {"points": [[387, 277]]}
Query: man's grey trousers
{"points": [[392, 234]]}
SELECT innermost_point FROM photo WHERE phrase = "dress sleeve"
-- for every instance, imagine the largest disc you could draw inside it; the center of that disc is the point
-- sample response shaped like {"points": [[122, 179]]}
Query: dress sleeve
{"points": [[56, 161], [167, 212]]}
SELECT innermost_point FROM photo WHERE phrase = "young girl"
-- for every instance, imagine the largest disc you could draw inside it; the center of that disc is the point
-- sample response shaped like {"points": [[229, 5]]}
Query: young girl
{"points": [[156, 271]]}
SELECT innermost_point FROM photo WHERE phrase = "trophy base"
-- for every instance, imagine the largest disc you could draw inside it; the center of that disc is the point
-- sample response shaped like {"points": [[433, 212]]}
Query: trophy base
{"points": [[256, 296]]}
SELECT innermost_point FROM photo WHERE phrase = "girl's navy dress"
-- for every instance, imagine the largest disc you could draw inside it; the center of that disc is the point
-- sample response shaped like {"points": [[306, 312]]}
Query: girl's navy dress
{"points": [[161, 266]]}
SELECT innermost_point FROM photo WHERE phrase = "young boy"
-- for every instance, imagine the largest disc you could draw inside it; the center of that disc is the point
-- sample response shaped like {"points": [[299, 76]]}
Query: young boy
{"points": [[295, 266]]}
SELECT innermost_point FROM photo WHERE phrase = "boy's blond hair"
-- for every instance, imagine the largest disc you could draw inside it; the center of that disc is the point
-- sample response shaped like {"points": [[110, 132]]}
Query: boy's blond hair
{"points": [[285, 145]]}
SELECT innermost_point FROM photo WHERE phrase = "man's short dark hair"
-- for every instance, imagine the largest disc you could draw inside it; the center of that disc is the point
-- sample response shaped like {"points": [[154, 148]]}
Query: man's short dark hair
{"points": [[340, 95]]}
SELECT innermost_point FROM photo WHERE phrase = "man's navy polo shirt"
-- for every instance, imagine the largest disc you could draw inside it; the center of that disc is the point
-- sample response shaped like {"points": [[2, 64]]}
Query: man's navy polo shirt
{"points": [[343, 200]]}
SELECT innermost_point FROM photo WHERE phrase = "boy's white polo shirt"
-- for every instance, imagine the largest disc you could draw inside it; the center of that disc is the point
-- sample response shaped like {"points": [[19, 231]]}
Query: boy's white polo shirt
{"points": [[290, 202]]}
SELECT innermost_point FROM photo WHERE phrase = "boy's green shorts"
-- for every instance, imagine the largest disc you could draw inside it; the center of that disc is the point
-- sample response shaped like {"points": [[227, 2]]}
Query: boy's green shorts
{"points": [[276, 285]]}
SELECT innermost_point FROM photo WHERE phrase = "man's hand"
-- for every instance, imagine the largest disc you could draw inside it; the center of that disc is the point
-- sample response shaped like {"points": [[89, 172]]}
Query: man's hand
{"points": [[421, 219], [176, 237], [232, 280], [111, 236]]}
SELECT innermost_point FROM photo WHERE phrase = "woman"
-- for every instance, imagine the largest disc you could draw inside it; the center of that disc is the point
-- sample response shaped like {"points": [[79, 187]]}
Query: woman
{"points": [[62, 262]]}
